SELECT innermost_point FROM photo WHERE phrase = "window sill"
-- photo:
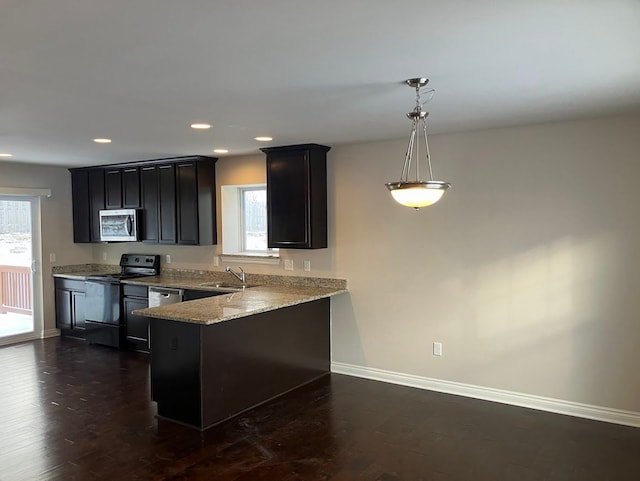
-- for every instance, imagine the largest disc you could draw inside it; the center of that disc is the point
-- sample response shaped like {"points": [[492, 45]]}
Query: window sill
{"points": [[251, 259]]}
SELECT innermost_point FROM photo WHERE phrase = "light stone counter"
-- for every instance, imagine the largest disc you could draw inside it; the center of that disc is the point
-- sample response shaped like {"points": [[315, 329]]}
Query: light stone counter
{"points": [[80, 272], [271, 292], [246, 302]]}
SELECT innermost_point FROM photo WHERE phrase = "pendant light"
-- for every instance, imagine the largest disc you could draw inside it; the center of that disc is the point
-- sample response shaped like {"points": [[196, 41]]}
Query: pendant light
{"points": [[417, 193]]}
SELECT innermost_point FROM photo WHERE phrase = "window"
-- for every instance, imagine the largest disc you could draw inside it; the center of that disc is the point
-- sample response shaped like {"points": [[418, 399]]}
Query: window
{"points": [[253, 209], [244, 221]]}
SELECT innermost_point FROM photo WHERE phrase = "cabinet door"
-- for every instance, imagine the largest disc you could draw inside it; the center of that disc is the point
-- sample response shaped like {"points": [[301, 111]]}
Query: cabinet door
{"points": [[137, 327], [77, 303], [187, 203], [130, 188], [63, 309], [149, 185], [287, 200], [167, 204], [96, 201], [297, 196], [81, 208], [113, 189]]}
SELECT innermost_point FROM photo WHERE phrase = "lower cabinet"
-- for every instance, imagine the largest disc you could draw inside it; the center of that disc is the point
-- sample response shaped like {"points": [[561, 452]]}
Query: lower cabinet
{"points": [[70, 305], [136, 327], [202, 375]]}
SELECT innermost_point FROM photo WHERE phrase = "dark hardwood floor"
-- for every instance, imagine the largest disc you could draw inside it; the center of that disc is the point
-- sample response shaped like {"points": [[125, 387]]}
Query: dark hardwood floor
{"points": [[69, 411]]}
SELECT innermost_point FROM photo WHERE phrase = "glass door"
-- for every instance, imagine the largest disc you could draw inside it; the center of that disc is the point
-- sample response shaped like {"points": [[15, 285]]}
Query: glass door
{"points": [[17, 264]]}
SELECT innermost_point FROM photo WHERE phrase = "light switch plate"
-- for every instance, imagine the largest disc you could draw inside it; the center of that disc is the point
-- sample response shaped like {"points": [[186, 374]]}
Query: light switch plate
{"points": [[307, 266], [288, 264], [52, 257]]}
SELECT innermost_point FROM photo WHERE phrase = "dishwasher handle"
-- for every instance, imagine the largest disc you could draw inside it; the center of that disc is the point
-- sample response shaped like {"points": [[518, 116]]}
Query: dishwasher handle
{"points": [[166, 291]]}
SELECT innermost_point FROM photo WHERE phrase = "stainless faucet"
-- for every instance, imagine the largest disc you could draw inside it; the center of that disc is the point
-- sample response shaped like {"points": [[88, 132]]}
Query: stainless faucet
{"points": [[241, 277]]}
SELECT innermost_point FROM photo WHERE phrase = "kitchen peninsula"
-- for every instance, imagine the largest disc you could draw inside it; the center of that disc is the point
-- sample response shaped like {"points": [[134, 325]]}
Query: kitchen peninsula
{"points": [[216, 357]]}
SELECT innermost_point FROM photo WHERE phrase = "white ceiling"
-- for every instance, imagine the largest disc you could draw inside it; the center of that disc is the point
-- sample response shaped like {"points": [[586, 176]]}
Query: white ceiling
{"points": [[141, 71]]}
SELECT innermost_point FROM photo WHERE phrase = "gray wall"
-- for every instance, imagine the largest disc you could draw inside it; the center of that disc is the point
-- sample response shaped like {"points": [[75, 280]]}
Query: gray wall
{"points": [[527, 271]]}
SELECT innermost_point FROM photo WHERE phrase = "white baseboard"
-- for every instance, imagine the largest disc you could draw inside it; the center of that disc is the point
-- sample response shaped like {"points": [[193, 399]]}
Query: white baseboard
{"points": [[617, 416], [50, 333], [29, 336]]}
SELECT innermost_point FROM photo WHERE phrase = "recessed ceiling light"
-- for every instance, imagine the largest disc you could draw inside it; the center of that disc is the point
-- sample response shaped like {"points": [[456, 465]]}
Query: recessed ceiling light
{"points": [[6, 154], [102, 141], [220, 151], [201, 126], [263, 139]]}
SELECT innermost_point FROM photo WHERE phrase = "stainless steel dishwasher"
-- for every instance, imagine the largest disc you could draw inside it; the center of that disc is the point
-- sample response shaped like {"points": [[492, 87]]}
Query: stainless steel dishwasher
{"points": [[161, 296]]}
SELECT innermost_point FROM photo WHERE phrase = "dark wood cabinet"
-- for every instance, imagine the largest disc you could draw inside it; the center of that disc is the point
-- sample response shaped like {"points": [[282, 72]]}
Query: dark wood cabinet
{"points": [[130, 188], [150, 206], [122, 188], [167, 204], [88, 198], [81, 206], [70, 307], [195, 202], [113, 188], [187, 203], [297, 196], [176, 197], [96, 201], [136, 327], [203, 374]]}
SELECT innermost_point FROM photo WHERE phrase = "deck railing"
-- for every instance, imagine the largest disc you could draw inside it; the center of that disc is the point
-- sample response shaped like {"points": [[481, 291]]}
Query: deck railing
{"points": [[15, 290]]}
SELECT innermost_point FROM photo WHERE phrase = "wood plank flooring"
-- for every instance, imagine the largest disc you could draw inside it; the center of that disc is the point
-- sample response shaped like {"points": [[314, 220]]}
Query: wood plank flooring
{"points": [[69, 411]]}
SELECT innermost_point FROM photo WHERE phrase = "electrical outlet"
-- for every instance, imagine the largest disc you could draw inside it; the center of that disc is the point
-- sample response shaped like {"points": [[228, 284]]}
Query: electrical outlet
{"points": [[167, 258], [288, 264], [437, 349], [216, 260], [104, 256], [307, 266], [52, 257]]}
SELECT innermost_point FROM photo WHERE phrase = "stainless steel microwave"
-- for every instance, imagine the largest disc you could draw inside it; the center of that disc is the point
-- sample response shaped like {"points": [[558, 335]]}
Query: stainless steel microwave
{"points": [[119, 225]]}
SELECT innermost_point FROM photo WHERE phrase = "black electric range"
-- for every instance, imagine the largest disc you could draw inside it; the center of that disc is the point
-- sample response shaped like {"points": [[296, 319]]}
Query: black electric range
{"points": [[103, 298]]}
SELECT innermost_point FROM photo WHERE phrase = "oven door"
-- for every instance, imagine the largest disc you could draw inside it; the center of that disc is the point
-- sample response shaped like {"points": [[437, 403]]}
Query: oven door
{"points": [[103, 313], [102, 301]]}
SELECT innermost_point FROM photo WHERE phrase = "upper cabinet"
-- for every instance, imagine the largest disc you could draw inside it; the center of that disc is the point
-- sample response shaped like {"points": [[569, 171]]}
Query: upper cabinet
{"points": [[195, 202], [87, 194], [176, 197], [122, 188], [297, 196]]}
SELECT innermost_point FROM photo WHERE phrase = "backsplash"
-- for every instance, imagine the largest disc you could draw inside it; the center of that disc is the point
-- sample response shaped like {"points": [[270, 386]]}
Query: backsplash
{"points": [[72, 269]]}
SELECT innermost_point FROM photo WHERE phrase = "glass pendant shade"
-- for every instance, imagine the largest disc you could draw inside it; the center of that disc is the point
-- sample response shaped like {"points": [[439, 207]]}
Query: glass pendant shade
{"points": [[417, 193]]}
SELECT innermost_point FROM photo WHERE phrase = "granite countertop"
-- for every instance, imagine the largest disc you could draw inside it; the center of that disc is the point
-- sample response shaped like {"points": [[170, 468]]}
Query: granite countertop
{"points": [[80, 276], [270, 292], [184, 282], [251, 300]]}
